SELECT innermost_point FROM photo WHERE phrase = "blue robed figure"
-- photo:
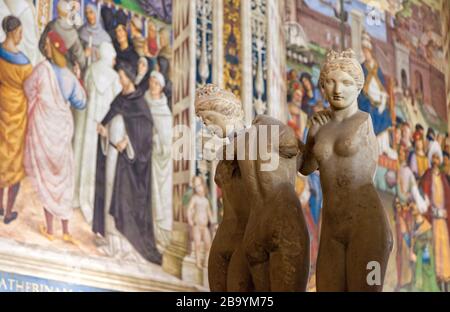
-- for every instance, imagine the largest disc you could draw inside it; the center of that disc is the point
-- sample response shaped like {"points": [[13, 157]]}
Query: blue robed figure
{"points": [[373, 97]]}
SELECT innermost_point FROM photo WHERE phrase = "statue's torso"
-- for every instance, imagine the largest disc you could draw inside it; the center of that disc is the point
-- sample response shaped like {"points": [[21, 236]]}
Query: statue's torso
{"points": [[347, 155]]}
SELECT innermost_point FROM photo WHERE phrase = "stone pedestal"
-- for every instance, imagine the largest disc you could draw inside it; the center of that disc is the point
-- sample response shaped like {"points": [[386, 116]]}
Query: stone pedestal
{"points": [[191, 273], [176, 251]]}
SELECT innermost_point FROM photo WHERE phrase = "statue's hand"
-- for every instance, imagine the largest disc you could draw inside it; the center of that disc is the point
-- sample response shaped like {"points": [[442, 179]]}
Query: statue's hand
{"points": [[318, 120], [321, 118]]}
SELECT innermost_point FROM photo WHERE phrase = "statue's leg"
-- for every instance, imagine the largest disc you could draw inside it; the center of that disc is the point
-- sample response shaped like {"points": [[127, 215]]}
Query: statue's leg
{"points": [[290, 263], [239, 278], [219, 259], [260, 275], [367, 256], [258, 262], [331, 266]]}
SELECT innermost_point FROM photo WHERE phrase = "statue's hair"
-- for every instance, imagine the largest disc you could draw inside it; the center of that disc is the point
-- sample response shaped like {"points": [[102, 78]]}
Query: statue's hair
{"points": [[345, 61], [212, 98]]}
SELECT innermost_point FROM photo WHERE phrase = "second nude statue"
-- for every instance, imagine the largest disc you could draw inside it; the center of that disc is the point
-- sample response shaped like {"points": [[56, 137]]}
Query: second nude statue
{"points": [[341, 144]]}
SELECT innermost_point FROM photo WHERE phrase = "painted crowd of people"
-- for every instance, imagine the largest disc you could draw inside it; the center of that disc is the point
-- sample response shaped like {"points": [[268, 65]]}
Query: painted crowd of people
{"points": [[87, 120]]}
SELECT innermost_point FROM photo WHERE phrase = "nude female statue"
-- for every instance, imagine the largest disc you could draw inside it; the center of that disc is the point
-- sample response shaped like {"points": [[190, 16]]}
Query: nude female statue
{"points": [[262, 243], [341, 143]]}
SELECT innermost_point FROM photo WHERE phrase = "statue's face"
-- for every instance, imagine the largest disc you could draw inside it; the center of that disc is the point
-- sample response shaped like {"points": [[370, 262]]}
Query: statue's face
{"points": [[340, 89], [216, 123]]}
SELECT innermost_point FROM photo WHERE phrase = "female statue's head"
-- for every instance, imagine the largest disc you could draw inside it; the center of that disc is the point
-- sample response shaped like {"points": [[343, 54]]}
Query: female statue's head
{"points": [[220, 110], [341, 79]]}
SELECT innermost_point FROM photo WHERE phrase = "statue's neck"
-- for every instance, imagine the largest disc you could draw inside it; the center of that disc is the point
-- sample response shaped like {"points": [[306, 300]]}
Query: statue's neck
{"points": [[341, 114]]}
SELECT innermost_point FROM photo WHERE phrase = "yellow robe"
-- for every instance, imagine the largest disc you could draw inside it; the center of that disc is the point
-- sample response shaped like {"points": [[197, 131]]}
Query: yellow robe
{"points": [[422, 164], [440, 234], [13, 121]]}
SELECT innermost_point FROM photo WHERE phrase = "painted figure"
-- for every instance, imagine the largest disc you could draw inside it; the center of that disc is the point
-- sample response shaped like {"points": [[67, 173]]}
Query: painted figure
{"points": [[51, 90], [162, 167], [92, 34], [373, 97], [26, 12], [122, 208], [62, 25], [424, 278], [102, 85], [436, 187], [199, 217], [124, 48], [15, 68]]}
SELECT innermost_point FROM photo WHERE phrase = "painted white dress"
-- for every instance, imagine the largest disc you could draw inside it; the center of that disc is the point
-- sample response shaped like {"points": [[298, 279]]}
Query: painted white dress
{"points": [[103, 85], [161, 170]]}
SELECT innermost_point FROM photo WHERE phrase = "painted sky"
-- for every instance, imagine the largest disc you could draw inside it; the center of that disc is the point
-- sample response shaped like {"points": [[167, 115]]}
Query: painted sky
{"points": [[375, 29]]}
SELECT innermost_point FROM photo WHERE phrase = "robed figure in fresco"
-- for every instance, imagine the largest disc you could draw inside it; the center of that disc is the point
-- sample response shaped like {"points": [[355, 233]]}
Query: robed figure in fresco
{"points": [[373, 98], [14, 69], [52, 89], [102, 85], [435, 185], [122, 207]]}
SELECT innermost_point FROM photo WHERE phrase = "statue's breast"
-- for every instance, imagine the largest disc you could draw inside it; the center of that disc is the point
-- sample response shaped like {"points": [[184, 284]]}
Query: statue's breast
{"points": [[352, 139], [323, 150], [347, 146], [344, 141]]}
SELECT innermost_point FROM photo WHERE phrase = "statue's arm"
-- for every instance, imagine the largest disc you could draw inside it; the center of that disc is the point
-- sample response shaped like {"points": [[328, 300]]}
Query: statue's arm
{"points": [[307, 162]]}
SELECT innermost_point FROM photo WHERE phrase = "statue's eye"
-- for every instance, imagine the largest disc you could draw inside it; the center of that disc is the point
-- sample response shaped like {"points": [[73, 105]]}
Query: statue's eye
{"points": [[347, 83]]}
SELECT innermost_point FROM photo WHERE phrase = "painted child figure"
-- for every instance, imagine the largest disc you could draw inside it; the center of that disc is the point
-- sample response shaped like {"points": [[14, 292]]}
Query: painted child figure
{"points": [[199, 216]]}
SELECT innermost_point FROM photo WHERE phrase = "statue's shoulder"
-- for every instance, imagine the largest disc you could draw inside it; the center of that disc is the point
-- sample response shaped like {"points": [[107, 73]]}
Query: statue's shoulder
{"points": [[363, 121], [266, 120], [361, 118]]}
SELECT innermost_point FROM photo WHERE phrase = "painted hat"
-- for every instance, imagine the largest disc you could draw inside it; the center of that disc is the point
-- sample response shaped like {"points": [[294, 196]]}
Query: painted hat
{"points": [[57, 42]]}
